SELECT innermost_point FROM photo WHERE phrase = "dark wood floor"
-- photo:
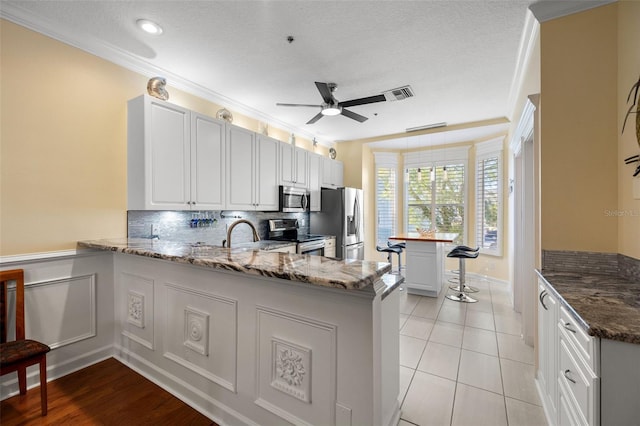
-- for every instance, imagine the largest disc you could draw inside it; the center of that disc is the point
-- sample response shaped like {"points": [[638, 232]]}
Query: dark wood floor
{"points": [[107, 393]]}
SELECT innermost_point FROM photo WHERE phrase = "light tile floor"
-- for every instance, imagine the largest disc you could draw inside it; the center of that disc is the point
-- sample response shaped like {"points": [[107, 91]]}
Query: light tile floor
{"points": [[465, 363]]}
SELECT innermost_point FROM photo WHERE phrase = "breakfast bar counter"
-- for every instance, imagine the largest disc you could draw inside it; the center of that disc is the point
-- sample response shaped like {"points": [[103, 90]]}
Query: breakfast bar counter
{"points": [[257, 336], [425, 261]]}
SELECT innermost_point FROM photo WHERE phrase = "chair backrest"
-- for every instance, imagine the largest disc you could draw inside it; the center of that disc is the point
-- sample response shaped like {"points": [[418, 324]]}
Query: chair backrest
{"points": [[16, 275]]}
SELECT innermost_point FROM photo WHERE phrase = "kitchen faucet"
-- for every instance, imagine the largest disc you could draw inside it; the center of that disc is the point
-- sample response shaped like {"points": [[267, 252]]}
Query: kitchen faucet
{"points": [[227, 242]]}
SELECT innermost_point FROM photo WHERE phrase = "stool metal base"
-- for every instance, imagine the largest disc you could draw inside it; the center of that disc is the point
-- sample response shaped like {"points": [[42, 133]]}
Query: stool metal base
{"points": [[461, 297], [466, 288]]}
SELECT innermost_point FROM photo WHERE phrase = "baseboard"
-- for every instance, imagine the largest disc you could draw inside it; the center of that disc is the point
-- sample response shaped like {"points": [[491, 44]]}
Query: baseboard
{"points": [[195, 398], [394, 419], [10, 387]]}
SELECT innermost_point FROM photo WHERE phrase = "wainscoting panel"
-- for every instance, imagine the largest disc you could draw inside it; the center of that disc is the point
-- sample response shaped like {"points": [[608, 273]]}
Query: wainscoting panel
{"points": [[201, 333], [136, 308], [296, 367], [61, 312]]}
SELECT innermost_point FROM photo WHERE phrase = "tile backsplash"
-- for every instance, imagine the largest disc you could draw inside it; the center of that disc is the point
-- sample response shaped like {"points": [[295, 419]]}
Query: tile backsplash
{"points": [[177, 225], [592, 263]]}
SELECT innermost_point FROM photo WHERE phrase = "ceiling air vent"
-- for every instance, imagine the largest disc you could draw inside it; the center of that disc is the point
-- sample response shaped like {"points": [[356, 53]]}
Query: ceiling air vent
{"points": [[398, 94]]}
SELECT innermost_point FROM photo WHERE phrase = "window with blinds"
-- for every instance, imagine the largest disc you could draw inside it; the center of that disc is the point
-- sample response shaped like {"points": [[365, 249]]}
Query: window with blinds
{"points": [[488, 203], [386, 193], [435, 197]]}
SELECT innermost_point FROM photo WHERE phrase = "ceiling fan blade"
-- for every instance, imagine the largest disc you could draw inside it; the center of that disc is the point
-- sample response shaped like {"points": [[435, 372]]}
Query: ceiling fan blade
{"points": [[363, 101], [325, 92], [353, 115], [299, 105], [317, 117]]}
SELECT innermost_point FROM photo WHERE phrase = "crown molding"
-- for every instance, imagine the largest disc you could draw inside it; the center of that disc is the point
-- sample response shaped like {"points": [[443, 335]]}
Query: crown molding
{"points": [[530, 34], [547, 10], [18, 15]]}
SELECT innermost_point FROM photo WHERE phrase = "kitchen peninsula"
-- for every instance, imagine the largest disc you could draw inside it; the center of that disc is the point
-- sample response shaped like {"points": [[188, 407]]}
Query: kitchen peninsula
{"points": [[259, 337], [425, 261]]}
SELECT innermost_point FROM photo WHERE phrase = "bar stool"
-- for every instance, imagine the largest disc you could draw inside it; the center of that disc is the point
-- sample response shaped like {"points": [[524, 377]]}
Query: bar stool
{"points": [[462, 255], [390, 250], [400, 246], [456, 280]]}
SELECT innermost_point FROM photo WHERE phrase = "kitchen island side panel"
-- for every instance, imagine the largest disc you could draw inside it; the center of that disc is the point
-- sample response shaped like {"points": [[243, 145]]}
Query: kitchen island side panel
{"points": [[254, 350]]}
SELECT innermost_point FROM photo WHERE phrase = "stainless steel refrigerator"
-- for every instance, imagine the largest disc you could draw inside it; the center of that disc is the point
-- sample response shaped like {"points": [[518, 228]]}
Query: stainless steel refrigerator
{"points": [[342, 216]]}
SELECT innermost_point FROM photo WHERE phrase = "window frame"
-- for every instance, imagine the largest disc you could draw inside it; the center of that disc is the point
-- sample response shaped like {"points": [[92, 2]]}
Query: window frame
{"points": [[484, 151], [386, 160], [437, 158]]}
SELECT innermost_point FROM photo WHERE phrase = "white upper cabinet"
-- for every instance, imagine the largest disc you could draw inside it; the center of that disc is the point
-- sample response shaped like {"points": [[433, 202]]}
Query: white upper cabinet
{"points": [[268, 166], [293, 166], [207, 162], [332, 173], [315, 177], [175, 157], [252, 170]]}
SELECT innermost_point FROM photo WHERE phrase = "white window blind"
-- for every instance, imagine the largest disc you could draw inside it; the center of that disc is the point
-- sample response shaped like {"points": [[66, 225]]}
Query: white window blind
{"points": [[435, 197], [386, 193], [489, 199]]}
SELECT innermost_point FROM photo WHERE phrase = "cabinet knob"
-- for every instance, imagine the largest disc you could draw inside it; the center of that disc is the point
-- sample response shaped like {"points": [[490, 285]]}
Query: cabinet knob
{"points": [[568, 327]]}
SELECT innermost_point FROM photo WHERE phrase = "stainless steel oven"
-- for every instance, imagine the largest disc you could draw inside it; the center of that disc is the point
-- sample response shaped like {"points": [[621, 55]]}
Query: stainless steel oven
{"points": [[314, 247], [293, 200]]}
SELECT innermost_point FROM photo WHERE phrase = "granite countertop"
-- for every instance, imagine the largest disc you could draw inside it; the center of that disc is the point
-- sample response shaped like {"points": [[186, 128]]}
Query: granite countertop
{"points": [[316, 270], [608, 306], [265, 245], [438, 237]]}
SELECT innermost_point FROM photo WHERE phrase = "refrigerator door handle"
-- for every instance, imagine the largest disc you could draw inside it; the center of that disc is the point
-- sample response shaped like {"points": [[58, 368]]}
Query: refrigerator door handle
{"points": [[356, 216]]}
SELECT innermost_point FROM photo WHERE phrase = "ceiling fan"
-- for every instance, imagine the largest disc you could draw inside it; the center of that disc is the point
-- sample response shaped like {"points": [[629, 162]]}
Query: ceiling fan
{"points": [[331, 106]]}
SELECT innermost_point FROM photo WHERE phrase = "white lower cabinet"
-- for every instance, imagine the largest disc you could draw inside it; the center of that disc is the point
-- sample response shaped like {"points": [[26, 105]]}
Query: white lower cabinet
{"points": [[330, 247], [568, 364], [547, 349]]}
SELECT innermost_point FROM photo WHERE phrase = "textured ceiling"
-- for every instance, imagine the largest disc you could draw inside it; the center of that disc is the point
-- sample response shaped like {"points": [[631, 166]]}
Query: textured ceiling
{"points": [[458, 56]]}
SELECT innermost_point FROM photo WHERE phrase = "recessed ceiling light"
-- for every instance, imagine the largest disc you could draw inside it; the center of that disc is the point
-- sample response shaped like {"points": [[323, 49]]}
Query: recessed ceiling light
{"points": [[149, 26]]}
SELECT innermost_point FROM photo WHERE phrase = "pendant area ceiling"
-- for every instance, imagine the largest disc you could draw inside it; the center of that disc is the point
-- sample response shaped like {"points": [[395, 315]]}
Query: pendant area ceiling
{"points": [[459, 57]]}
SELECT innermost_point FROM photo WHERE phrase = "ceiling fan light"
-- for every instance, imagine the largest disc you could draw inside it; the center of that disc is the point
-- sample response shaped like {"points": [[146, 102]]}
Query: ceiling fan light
{"points": [[331, 110]]}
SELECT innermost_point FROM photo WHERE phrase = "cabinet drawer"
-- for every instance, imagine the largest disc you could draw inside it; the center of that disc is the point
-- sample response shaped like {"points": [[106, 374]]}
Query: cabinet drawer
{"points": [[585, 344], [579, 382]]}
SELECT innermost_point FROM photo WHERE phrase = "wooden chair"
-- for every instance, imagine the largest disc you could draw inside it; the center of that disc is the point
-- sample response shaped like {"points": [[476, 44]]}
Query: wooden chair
{"points": [[19, 354]]}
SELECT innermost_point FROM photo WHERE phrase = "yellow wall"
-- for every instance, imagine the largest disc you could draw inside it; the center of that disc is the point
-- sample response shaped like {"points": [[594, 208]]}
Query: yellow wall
{"points": [[63, 142], [628, 145], [579, 161]]}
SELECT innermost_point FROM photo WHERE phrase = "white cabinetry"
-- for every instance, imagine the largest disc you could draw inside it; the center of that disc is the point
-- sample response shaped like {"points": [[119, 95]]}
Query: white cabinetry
{"points": [[332, 173], [425, 263], [547, 349], [252, 170], [175, 157], [293, 163], [315, 176], [330, 247]]}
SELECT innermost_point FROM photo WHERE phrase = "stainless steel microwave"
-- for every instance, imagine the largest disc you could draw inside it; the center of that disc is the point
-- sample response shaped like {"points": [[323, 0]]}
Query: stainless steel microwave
{"points": [[293, 200]]}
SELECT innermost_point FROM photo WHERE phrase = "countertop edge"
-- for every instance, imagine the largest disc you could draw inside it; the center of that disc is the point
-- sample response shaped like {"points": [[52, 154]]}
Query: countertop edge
{"points": [[347, 280]]}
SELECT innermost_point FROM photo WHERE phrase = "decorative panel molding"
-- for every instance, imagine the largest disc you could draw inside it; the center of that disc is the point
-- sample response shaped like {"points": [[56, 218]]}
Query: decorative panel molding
{"points": [[291, 371], [196, 330], [60, 312], [201, 333], [285, 367], [136, 308]]}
